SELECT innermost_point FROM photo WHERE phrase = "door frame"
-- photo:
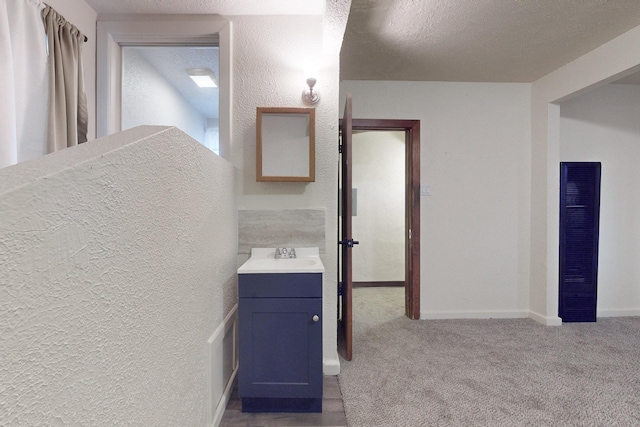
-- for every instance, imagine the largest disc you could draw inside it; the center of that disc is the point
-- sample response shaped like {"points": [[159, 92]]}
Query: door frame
{"points": [[411, 128], [157, 30]]}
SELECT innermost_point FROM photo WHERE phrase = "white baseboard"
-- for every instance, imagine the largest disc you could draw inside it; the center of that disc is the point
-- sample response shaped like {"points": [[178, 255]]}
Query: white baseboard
{"points": [[547, 321], [507, 314], [331, 366], [618, 312], [222, 405], [223, 366]]}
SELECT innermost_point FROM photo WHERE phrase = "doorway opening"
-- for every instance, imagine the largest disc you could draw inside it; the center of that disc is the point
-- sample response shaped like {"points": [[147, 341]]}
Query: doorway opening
{"points": [[411, 246], [161, 75], [411, 130], [192, 31], [378, 209]]}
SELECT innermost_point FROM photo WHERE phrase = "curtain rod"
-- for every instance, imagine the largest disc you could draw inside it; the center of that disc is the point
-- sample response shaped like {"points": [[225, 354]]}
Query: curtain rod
{"points": [[86, 39]]}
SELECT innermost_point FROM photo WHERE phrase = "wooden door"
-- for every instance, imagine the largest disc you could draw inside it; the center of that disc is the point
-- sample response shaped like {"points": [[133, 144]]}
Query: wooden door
{"points": [[345, 285], [579, 226]]}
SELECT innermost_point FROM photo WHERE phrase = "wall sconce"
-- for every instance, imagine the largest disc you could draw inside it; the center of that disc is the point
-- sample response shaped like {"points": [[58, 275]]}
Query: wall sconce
{"points": [[203, 77], [310, 96]]}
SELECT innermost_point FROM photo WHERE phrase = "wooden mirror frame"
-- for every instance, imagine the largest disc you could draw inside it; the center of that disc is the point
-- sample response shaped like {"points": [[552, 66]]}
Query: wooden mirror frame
{"points": [[285, 144]]}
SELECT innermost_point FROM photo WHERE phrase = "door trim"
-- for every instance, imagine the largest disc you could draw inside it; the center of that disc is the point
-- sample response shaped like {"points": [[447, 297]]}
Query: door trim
{"points": [[411, 128], [157, 30]]}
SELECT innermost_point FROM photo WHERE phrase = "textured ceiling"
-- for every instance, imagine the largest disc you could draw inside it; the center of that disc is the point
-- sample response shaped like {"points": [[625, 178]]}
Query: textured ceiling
{"points": [[476, 40], [439, 40]]}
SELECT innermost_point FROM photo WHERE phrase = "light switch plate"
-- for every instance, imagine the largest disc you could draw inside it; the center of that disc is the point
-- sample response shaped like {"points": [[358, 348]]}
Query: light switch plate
{"points": [[425, 190]]}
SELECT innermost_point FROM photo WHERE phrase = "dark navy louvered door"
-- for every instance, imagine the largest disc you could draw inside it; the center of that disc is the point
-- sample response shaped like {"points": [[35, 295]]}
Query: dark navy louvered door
{"points": [[579, 220]]}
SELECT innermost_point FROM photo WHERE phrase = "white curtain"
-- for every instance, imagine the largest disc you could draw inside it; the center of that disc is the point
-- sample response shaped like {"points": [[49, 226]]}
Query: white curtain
{"points": [[23, 81]]}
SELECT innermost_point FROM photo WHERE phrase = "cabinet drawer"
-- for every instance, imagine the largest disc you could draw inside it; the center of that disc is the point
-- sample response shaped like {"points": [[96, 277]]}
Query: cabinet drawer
{"points": [[280, 285]]}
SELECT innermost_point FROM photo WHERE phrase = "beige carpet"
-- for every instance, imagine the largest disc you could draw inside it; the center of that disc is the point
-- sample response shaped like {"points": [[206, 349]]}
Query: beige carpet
{"points": [[512, 372]]}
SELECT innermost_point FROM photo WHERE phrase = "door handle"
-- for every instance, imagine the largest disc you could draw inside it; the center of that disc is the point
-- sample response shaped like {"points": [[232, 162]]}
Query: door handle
{"points": [[315, 318], [348, 242]]}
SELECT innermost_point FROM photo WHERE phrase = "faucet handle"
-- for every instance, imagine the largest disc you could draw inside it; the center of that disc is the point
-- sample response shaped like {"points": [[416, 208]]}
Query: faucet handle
{"points": [[285, 253]]}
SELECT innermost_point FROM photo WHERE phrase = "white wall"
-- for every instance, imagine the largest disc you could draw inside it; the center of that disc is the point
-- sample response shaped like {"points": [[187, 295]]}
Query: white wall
{"points": [[614, 59], [604, 126], [80, 14], [269, 57], [149, 99], [378, 160], [474, 139], [118, 264]]}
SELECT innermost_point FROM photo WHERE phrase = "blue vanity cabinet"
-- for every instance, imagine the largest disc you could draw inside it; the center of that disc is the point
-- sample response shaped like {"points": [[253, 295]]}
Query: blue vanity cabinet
{"points": [[280, 342]]}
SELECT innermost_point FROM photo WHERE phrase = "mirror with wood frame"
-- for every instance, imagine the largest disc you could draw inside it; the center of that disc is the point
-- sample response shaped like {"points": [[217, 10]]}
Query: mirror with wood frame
{"points": [[285, 144]]}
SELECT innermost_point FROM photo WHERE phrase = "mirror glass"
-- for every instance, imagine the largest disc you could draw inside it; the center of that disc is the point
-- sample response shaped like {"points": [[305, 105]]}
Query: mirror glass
{"points": [[285, 144]]}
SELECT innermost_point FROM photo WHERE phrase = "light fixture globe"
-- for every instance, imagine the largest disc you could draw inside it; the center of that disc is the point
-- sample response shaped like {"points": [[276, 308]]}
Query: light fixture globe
{"points": [[310, 96]]}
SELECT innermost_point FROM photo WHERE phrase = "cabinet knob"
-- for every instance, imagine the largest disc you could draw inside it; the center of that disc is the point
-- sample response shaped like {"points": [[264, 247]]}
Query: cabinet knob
{"points": [[315, 318]]}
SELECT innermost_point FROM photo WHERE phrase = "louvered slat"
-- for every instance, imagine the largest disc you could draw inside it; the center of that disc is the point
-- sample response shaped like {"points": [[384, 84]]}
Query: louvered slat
{"points": [[579, 221]]}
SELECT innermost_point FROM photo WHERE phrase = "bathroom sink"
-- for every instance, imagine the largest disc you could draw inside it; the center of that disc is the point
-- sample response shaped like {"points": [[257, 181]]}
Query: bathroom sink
{"points": [[263, 261]]}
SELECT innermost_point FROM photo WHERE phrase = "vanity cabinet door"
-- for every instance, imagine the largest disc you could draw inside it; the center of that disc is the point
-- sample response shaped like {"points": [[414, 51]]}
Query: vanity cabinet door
{"points": [[280, 342], [280, 347]]}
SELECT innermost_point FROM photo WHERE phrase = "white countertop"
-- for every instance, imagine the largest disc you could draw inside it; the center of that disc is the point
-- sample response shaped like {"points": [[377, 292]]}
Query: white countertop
{"points": [[263, 260]]}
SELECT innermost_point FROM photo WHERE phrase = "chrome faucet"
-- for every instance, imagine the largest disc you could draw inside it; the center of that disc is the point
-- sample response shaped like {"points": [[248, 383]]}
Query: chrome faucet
{"points": [[285, 253]]}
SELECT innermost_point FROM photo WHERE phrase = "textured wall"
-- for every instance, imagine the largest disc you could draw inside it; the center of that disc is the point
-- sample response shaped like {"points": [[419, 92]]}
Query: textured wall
{"points": [[472, 137], [269, 57], [379, 176], [603, 126], [117, 263]]}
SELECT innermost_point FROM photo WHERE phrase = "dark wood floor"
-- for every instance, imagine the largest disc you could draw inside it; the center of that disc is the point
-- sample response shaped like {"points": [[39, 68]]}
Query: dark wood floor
{"points": [[332, 412]]}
